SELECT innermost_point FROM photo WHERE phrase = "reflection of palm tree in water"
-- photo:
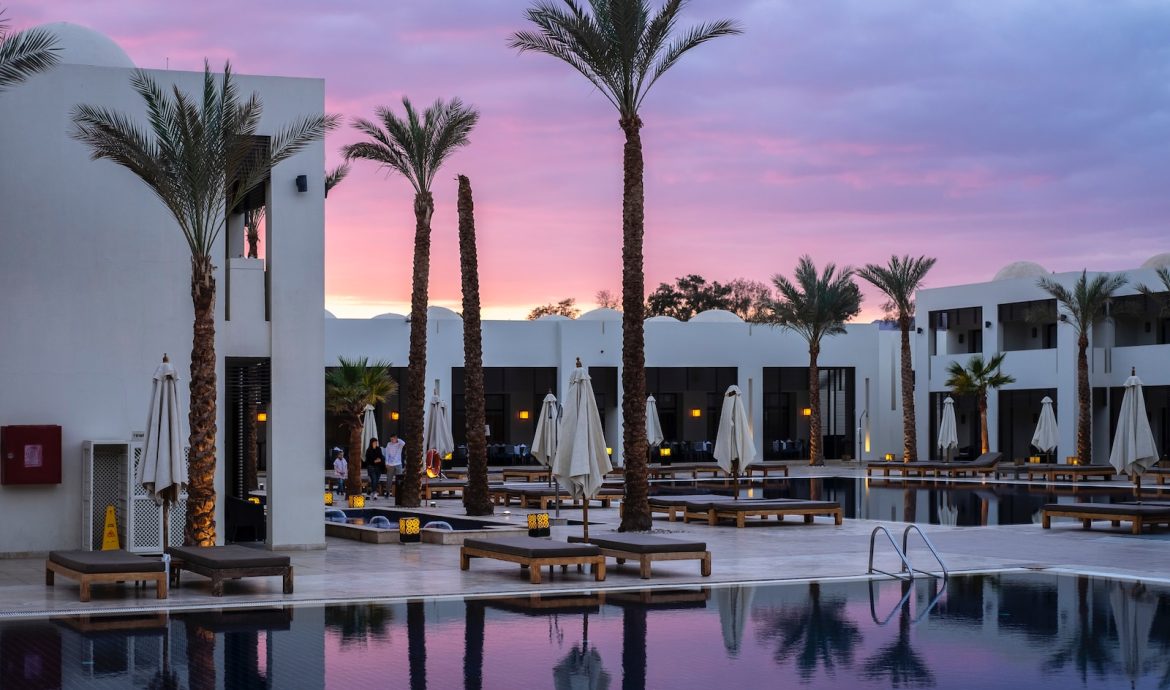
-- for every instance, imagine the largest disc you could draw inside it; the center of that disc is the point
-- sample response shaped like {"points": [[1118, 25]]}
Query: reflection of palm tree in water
{"points": [[200, 656], [634, 648], [358, 623], [897, 664], [416, 643], [473, 633], [1089, 648], [817, 634]]}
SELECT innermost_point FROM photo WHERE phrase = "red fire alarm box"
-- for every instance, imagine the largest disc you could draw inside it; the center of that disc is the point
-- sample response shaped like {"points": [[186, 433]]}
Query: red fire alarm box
{"points": [[30, 454]]}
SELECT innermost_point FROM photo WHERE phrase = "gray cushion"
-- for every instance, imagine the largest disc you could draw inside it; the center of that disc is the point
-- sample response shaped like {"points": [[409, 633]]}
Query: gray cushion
{"points": [[643, 543], [538, 491], [229, 556], [674, 501], [1061, 468], [986, 460], [119, 561], [793, 504], [1118, 509], [532, 547]]}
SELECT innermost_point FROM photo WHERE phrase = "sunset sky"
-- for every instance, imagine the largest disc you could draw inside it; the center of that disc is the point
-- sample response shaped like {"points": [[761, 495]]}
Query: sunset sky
{"points": [[980, 132]]}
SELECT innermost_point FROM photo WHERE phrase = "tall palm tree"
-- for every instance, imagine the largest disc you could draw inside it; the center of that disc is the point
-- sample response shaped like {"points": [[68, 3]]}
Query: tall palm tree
{"points": [[1084, 303], [349, 388], [815, 306], [416, 147], [24, 53], [899, 280], [199, 159], [623, 49], [976, 378], [475, 499]]}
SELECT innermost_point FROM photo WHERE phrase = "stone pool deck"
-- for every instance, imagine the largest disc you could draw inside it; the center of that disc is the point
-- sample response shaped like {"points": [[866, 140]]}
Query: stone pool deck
{"points": [[348, 570]]}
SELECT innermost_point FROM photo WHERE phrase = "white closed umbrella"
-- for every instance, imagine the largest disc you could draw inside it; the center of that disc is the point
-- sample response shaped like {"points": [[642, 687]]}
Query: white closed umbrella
{"points": [[369, 427], [437, 434], [1133, 451], [1045, 438], [1134, 609], [163, 469], [735, 447], [544, 445], [653, 424], [581, 461], [948, 431], [735, 603]]}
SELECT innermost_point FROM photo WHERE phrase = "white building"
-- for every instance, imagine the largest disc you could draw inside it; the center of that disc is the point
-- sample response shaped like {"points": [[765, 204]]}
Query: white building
{"points": [[95, 280]]}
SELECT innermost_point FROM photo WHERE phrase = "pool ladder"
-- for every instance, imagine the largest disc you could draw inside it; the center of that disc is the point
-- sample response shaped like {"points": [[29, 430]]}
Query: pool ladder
{"points": [[907, 572]]}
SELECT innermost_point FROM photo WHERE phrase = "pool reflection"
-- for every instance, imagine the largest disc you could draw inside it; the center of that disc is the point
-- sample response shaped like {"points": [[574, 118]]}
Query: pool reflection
{"points": [[1011, 630]]}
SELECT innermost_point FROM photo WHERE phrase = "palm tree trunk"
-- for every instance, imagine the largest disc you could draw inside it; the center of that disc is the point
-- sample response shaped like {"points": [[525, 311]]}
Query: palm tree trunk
{"points": [[353, 480], [635, 507], [412, 413], [475, 498], [815, 452], [983, 444], [251, 449], [1084, 402], [909, 432], [200, 525]]}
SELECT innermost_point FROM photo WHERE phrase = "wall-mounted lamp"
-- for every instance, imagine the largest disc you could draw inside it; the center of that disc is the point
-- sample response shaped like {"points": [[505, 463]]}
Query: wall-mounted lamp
{"points": [[807, 412], [889, 457], [394, 415], [919, 330], [302, 183], [987, 324], [523, 414], [696, 412], [1064, 317], [261, 416]]}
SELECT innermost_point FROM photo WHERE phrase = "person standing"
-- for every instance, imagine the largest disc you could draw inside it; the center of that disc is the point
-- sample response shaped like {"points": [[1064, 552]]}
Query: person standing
{"points": [[393, 460], [375, 466], [341, 469]]}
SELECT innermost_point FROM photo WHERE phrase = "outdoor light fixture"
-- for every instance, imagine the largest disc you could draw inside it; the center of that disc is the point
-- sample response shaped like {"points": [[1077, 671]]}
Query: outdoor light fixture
{"points": [[807, 412], [696, 412], [538, 525], [1034, 459], [1074, 459], [328, 498], [409, 530], [448, 456], [889, 457], [254, 499], [358, 501], [609, 451], [919, 329], [1064, 317], [302, 183], [261, 416], [523, 414], [664, 452], [987, 324], [394, 415]]}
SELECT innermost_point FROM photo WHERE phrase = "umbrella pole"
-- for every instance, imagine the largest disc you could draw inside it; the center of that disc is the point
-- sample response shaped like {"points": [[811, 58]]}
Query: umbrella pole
{"points": [[585, 515], [166, 525]]}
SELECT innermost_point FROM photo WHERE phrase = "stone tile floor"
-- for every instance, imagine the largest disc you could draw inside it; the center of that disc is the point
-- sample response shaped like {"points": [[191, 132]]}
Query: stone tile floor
{"points": [[348, 570]]}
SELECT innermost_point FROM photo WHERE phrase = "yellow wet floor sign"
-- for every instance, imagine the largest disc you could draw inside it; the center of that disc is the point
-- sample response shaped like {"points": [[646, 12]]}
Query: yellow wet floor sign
{"points": [[110, 534]]}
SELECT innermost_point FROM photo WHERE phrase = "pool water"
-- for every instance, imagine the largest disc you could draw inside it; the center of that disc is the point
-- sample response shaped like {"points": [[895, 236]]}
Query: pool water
{"points": [[1010, 630]]}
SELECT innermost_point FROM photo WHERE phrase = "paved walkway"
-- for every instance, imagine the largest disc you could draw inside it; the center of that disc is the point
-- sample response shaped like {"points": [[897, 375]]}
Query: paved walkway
{"points": [[348, 570]]}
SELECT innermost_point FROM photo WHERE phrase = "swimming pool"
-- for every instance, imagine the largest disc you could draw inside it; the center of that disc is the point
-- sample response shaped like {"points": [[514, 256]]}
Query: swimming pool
{"points": [[1027, 630]]}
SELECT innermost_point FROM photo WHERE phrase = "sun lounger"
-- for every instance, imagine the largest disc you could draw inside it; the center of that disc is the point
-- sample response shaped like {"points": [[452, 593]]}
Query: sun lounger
{"points": [[726, 509], [543, 496], [1072, 473], [647, 548], [906, 469], [88, 567], [1138, 514], [528, 474], [985, 465], [230, 562], [533, 553], [452, 487], [1159, 474], [673, 506], [766, 467], [691, 470]]}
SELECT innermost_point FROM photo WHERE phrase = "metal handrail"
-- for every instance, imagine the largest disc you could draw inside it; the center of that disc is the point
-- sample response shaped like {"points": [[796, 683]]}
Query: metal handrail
{"points": [[905, 596], [929, 545], [901, 555]]}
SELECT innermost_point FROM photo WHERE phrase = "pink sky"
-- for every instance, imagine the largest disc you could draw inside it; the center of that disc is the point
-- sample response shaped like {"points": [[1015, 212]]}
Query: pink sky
{"points": [[980, 132]]}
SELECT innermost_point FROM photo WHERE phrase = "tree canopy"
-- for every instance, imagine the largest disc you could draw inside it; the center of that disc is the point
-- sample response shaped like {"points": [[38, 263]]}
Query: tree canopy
{"points": [[566, 307]]}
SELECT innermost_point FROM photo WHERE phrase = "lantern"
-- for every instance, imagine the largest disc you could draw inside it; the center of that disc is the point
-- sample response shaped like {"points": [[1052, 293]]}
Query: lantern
{"points": [[538, 525], [358, 501], [409, 530], [328, 498]]}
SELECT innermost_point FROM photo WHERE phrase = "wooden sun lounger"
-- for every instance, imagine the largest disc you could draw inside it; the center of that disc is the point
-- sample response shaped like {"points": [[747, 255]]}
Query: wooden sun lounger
{"points": [[230, 562], [533, 553], [1073, 473], [1159, 474], [89, 567], [739, 511], [673, 506], [692, 470], [906, 469], [647, 548], [985, 465], [767, 467], [1138, 514], [433, 487], [528, 474], [531, 497]]}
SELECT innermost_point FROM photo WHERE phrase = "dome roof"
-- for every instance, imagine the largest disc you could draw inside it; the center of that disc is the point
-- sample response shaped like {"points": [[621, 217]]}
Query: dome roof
{"points": [[80, 45], [553, 317], [330, 315], [390, 315], [442, 314], [662, 319], [1158, 261], [601, 314], [716, 316], [1021, 269]]}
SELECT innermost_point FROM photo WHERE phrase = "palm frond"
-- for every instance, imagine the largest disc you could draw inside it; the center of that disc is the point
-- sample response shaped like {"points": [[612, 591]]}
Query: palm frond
{"points": [[815, 305], [25, 53], [1087, 299], [335, 176], [898, 280]]}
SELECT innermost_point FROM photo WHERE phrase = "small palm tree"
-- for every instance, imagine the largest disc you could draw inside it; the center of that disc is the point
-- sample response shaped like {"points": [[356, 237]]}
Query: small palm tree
{"points": [[199, 159], [475, 499], [254, 217], [349, 388], [623, 49], [978, 377], [416, 147], [899, 280], [24, 53], [815, 306], [1084, 304]]}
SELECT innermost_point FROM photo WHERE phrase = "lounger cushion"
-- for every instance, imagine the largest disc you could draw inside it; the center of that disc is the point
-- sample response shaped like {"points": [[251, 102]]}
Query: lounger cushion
{"points": [[532, 547], [986, 460], [119, 561], [777, 504], [538, 491], [229, 556], [1120, 509], [674, 501], [643, 543]]}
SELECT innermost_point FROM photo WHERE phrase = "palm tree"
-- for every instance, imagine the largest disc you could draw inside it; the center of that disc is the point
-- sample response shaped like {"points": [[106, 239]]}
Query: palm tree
{"points": [[199, 159], [24, 53], [475, 499], [976, 379], [623, 50], [815, 306], [899, 280], [1084, 303], [349, 388], [416, 147]]}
